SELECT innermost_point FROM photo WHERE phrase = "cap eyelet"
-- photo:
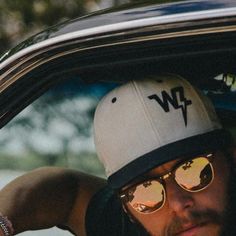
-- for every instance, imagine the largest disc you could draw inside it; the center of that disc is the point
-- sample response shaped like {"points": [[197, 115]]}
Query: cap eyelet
{"points": [[114, 100]]}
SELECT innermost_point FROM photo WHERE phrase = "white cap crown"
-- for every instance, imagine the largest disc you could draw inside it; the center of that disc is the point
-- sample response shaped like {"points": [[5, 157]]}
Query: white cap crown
{"points": [[142, 116]]}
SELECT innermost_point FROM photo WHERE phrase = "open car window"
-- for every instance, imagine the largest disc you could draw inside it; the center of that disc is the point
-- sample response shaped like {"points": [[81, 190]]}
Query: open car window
{"points": [[56, 129]]}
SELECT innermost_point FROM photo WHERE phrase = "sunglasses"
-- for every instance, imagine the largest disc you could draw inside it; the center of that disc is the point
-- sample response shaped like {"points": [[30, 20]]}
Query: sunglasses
{"points": [[192, 175]]}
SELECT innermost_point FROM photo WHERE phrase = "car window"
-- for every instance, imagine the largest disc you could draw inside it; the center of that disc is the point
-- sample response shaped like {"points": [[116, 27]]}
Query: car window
{"points": [[222, 92], [55, 130]]}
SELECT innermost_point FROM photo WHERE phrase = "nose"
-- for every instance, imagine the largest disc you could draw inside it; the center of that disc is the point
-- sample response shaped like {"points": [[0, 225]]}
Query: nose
{"points": [[179, 200]]}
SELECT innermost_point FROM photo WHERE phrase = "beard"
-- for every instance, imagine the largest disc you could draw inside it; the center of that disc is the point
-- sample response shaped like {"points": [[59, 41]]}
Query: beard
{"points": [[226, 219], [195, 218]]}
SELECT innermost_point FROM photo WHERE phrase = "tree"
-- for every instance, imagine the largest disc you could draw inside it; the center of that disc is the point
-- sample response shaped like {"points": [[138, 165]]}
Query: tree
{"points": [[24, 18], [21, 19]]}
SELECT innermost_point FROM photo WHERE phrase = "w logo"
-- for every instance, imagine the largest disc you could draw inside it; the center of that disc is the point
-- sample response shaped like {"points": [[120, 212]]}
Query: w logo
{"points": [[176, 99]]}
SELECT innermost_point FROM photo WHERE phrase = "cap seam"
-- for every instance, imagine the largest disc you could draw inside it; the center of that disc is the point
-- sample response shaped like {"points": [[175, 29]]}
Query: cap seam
{"points": [[202, 103], [123, 163], [218, 138], [146, 111]]}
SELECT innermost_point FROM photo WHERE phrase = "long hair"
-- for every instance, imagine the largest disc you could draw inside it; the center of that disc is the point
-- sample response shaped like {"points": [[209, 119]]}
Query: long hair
{"points": [[230, 226]]}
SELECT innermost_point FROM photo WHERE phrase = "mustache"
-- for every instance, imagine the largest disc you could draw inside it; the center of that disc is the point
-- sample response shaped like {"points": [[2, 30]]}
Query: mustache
{"points": [[177, 223]]}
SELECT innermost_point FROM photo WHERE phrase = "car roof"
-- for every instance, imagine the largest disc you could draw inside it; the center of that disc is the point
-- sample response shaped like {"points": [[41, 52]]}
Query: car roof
{"points": [[129, 16], [104, 42]]}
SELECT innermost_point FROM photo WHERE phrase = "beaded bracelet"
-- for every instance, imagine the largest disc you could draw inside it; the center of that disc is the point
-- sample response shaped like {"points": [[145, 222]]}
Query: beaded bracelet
{"points": [[6, 226]]}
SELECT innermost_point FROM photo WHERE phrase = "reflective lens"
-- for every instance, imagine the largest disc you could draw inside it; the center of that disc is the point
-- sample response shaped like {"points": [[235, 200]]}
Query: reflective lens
{"points": [[147, 197], [193, 175]]}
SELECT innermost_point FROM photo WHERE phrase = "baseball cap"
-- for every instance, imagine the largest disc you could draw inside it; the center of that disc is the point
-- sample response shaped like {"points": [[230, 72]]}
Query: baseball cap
{"points": [[146, 123]]}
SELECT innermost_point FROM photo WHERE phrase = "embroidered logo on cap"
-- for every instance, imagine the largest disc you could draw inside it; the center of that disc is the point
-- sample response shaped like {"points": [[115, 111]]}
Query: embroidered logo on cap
{"points": [[176, 98]]}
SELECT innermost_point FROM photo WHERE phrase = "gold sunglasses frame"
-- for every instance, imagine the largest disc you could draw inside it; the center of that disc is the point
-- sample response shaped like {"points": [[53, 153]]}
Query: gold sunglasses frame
{"points": [[161, 179]]}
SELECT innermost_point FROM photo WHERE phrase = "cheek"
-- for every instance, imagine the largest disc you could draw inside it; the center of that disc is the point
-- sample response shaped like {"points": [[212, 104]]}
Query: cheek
{"points": [[154, 223], [216, 196]]}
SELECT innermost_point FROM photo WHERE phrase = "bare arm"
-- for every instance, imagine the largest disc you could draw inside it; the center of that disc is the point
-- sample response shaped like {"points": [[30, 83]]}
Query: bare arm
{"points": [[47, 197]]}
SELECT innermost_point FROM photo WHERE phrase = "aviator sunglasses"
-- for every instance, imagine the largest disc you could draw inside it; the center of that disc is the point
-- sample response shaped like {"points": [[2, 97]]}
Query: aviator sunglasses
{"points": [[192, 175]]}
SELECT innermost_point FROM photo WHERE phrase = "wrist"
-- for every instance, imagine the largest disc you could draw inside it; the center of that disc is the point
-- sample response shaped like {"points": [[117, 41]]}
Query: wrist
{"points": [[5, 226]]}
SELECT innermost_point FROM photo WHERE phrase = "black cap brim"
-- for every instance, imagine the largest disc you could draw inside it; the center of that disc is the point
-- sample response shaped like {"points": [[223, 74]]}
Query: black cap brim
{"points": [[211, 141]]}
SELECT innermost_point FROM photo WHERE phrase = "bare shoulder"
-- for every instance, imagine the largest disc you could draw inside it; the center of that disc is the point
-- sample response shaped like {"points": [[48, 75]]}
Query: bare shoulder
{"points": [[80, 185], [34, 195], [87, 186]]}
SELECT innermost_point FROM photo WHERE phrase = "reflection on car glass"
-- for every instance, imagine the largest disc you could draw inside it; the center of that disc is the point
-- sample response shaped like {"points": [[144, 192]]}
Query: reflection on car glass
{"points": [[56, 129], [228, 79]]}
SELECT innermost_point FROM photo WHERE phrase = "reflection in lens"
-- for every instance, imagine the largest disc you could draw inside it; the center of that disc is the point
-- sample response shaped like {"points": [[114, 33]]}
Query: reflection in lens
{"points": [[194, 174], [148, 196]]}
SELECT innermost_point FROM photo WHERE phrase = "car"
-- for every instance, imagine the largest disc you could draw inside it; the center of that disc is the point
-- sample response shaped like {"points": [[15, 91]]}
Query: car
{"points": [[50, 83]]}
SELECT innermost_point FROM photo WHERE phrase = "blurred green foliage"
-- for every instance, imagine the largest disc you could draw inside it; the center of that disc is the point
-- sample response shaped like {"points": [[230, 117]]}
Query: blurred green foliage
{"points": [[55, 130], [20, 19], [85, 161]]}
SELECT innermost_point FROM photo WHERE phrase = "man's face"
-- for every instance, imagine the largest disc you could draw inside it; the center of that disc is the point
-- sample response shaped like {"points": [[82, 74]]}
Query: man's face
{"points": [[189, 213]]}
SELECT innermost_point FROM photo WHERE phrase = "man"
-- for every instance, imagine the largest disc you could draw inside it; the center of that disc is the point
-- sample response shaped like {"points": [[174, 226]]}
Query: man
{"points": [[169, 164]]}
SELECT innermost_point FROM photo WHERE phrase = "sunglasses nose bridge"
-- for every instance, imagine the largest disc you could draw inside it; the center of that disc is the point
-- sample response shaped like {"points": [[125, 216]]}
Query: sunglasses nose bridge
{"points": [[166, 176], [178, 199]]}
